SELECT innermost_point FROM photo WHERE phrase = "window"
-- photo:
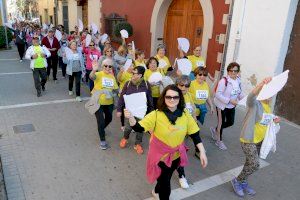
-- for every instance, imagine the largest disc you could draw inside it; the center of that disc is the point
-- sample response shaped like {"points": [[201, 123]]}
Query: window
{"points": [[110, 22]]}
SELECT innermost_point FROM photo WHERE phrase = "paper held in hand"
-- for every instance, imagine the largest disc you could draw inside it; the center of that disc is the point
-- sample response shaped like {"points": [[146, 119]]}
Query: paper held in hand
{"points": [[80, 25], [243, 101], [185, 66], [58, 35], [136, 104], [94, 28], [155, 77], [88, 40], [274, 86], [184, 44], [162, 63], [127, 64], [104, 38], [124, 33]]}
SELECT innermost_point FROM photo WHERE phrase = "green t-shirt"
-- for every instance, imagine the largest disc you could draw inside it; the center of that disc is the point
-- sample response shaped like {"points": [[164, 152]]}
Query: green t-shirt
{"points": [[39, 61]]}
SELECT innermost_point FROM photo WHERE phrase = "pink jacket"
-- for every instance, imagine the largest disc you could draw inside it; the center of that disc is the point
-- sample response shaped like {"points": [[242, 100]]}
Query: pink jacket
{"points": [[157, 149], [90, 56]]}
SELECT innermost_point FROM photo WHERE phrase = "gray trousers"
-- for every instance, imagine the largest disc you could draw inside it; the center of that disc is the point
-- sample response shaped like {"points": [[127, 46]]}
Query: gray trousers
{"points": [[128, 129], [251, 165], [39, 77]]}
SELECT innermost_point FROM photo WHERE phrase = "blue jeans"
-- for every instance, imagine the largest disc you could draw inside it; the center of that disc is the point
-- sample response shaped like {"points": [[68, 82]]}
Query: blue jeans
{"points": [[203, 111]]}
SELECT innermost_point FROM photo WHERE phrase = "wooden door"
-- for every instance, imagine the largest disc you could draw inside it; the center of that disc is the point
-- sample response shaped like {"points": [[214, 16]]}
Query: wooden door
{"points": [[184, 19], [85, 13]]}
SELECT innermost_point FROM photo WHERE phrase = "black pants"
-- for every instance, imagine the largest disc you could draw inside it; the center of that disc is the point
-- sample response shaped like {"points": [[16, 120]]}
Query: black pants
{"points": [[88, 80], [77, 76], [21, 50], [62, 65], [128, 129], [104, 117], [40, 78], [227, 115], [163, 185], [155, 99], [52, 64]]}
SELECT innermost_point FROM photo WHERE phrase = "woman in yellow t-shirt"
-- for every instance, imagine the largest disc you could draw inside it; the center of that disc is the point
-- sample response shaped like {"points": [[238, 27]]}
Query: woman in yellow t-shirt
{"points": [[163, 60], [104, 81], [152, 66], [140, 58], [254, 128], [170, 123], [201, 93]]}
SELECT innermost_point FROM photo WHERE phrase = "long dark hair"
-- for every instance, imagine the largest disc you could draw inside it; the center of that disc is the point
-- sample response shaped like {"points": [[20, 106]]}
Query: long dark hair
{"points": [[161, 105]]}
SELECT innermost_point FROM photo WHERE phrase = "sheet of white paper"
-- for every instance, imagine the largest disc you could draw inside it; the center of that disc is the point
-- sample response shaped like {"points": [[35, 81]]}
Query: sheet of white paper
{"points": [[127, 64], [58, 35], [243, 101], [133, 46], [124, 33], [104, 38], [8, 25], [185, 66], [155, 77], [88, 40], [162, 63], [80, 25], [184, 44], [69, 53], [274, 86], [94, 28], [137, 104], [51, 26], [45, 26]]}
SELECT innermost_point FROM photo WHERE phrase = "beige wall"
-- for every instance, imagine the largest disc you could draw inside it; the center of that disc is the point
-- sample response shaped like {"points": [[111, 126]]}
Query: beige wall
{"points": [[46, 4], [59, 13], [75, 13], [94, 12]]}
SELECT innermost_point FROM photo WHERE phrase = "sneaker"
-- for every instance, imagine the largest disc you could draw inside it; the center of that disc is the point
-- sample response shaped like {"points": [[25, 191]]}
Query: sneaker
{"points": [[237, 187], [123, 143], [103, 145], [139, 149], [249, 190], [183, 183], [221, 145], [78, 98], [21, 60], [55, 81], [70, 93], [122, 128], [213, 133], [155, 195]]}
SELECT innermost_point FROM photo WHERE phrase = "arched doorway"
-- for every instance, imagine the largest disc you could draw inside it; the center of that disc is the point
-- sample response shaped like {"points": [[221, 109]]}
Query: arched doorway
{"points": [[184, 19]]}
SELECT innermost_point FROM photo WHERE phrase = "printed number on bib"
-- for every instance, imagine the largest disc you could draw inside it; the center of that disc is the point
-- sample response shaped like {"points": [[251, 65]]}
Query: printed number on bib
{"points": [[189, 107], [200, 63], [235, 92], [107, 82], [201, 94], [266, 119]]}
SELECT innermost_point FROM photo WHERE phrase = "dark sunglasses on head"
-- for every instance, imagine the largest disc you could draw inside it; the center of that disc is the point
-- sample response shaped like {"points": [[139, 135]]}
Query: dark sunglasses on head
{"points": [[185, 85], [172, 97], [109, 66], [232, 70], [202, 74]]}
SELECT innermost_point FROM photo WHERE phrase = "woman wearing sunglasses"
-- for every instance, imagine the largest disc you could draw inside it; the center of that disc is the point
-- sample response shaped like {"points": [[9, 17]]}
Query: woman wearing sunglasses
{"points": [[108, 52], [106, 82], [228, 93], [170, 123], [92, 54]]}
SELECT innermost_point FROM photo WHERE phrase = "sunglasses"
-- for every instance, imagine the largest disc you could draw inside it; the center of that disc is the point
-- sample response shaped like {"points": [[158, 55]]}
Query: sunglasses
{"points": [[108, 66], [185, 85], [172, 97], [202, 74], [91, 45], [35, 38], [232, 70]]}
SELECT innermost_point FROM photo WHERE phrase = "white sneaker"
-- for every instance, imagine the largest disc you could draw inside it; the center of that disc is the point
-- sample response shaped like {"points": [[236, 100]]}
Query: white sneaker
{"points": [[21, 60], [70, 93], [78, 98], [155, 195], [221, 145], [183, 183], [213, 133]]}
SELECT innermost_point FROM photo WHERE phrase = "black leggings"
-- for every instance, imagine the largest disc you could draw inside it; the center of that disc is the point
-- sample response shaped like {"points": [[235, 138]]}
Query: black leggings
{"points": [[104, 117], [21, 50], [77, 76], [228, 115], [163, 185]]}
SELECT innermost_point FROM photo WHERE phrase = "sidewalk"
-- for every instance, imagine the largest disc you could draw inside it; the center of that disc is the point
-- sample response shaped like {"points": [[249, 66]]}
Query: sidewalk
{"points": [[57, 156]]}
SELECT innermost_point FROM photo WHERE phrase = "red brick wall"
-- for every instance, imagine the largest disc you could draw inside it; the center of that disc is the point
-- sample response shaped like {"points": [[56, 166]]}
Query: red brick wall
{"points": [[139, 15]]}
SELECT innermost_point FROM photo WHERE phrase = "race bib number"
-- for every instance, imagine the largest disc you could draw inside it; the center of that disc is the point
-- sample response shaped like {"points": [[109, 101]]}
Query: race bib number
{"points": [[107, 82], [266, 119], [189, 107], [200, 63], [93, 57], [235, 92], [201, 94]]}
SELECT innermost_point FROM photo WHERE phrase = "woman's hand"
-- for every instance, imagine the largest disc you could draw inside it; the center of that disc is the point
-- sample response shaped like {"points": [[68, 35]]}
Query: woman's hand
{"points": [[203, 159], [95, 65], [276, 119], [127, 114], [212, 110]]}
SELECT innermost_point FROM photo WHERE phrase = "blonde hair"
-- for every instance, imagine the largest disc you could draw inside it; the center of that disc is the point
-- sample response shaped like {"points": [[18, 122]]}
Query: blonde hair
{"points": [[122, 50]]}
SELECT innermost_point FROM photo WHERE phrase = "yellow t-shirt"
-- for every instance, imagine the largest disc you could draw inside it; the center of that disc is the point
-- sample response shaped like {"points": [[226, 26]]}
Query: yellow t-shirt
{"points": [[154, 88], [137, 63], [39, 61], [260, 128], [126, 76], [171, 135], [196, 61], [200, 92], [164, 60], [107, 82], [189, 103]]}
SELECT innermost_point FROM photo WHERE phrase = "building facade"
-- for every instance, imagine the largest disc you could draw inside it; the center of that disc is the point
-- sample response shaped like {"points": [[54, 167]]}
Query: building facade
{"points": [[203, 22]]}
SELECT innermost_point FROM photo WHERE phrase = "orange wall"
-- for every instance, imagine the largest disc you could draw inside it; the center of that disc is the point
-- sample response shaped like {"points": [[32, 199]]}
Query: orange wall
{"points": [[139, 16]]}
